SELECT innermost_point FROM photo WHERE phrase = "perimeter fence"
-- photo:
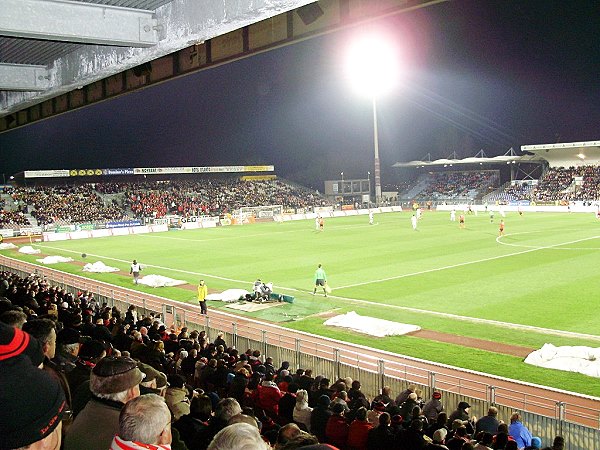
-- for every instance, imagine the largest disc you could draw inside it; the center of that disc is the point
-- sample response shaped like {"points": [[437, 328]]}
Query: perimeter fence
{"points": [[546, 415]]}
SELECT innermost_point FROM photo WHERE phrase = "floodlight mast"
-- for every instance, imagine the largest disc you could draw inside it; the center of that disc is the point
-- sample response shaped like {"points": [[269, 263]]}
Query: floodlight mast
{"points": [[372, 68]]}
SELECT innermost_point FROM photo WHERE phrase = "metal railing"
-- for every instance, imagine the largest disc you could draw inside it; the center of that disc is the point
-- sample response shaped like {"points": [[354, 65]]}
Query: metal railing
{"points": [[544, 416]]}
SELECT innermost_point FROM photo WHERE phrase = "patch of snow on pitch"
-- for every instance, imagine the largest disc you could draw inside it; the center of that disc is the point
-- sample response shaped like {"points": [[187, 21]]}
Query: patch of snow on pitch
{"points": [[371, 325], [54, 260], [99, 267], [159, 281], [580, 359], [6, 245], [230, 295], [29, 250]]}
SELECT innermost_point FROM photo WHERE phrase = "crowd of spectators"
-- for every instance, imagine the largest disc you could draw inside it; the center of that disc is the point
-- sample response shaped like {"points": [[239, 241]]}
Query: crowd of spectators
{"points": [[105, 378], [68, 203], [557, 184], [216, 197], [458, 185], [9, 219], [83, 203]]}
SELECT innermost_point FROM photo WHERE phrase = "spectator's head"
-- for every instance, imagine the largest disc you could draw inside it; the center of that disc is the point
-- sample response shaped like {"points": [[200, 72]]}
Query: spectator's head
{"points": [[68, 340], [116, 378], [154, 380], [386, 390], [302, 397], [559, 443], [45, 332], [536, 442], [338, 409], [515, 417], [486, 439], [511, 445], [227, 408], [303, 440], [34, 403], [239, 436], [361, 413], [464, 406], [14, 318], [146, 419], [501, 439], [243, 418], [324, 401], [201, 408], [176, 381], [15, 342], [492, 411], [92, 351], [439, 436], [287, 433], [385, 419], [437, 395]]}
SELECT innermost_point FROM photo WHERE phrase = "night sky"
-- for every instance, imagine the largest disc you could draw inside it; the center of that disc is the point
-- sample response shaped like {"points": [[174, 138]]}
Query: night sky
{"points": [[478, 74]]}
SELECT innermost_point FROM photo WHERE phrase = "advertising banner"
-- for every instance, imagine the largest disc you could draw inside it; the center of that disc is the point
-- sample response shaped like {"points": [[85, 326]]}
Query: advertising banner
{"points": [[46, 173], [124, 223]]}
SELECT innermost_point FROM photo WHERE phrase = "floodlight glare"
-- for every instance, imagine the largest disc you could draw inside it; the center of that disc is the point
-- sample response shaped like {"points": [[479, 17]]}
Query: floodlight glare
{"points": [[372, 65]]}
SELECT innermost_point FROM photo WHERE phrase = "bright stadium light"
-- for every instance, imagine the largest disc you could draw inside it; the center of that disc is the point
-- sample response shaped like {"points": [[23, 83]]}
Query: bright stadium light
{"points": [[372, 69]]}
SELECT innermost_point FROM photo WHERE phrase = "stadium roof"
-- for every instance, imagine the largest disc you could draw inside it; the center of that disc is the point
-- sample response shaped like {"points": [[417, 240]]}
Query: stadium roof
{"points": [[568, 153], [509, 158]]}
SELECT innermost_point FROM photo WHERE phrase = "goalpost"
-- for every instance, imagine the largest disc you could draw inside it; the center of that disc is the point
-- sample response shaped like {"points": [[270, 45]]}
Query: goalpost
{"points": [[248, 214]]}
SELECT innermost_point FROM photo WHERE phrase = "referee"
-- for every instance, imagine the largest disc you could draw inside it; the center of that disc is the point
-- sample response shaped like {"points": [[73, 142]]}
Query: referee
{"points": [[320, 279]]}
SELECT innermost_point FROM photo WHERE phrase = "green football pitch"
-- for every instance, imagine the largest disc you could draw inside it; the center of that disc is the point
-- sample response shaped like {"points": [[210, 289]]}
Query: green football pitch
{"points": [[538, 283]]}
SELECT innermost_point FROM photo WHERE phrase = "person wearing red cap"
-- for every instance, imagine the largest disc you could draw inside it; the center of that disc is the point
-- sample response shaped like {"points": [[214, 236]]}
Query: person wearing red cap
{"points": [[34, 406], [433, 407]]}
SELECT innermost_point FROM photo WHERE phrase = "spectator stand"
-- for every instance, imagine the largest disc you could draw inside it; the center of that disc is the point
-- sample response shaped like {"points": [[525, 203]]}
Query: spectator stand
{"points": [[547, 415]]}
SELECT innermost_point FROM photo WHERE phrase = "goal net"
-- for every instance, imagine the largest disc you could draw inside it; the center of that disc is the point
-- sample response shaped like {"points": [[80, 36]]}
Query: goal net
{"points": [[249, 214]]}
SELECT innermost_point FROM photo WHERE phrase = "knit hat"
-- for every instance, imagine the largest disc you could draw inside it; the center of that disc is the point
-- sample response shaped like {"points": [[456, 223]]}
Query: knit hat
{"points": [[14, 342], [379, 406], [463, 405], [33, 401], [114, 374], [437, 395], [536, 442]]}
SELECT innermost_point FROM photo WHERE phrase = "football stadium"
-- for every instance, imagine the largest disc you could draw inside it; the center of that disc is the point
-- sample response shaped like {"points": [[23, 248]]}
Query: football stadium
{"points": [[430, 303]]}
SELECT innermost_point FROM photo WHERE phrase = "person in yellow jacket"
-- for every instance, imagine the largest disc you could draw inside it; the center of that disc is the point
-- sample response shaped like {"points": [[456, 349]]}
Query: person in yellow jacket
{"points": [[202, 293]]}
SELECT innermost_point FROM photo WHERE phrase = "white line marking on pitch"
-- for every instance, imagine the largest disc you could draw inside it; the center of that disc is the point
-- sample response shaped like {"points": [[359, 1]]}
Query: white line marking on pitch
{"points": [[509, 325], [557, 247], [468, 263]]}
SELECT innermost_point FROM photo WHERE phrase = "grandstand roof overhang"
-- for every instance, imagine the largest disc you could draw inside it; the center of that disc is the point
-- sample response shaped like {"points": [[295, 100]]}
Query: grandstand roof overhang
{"points": [[475, 160], [567, 154]]}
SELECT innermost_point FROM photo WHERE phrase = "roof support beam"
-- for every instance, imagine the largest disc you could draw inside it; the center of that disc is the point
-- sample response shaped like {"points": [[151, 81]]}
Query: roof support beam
{"points": [[22, 77], [87, 23]]}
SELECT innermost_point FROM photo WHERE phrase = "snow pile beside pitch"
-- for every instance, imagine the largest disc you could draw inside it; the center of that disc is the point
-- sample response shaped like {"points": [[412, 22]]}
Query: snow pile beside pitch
{"points": [[580, 359], [99, 267], [371, 325], [159, 281], [230, 295], [54, 260], [7, 245], [29, 250]]}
